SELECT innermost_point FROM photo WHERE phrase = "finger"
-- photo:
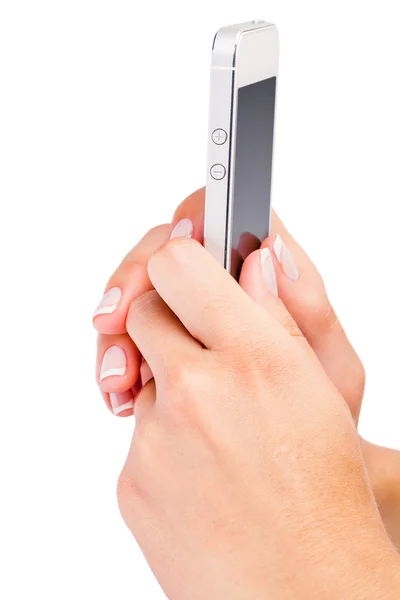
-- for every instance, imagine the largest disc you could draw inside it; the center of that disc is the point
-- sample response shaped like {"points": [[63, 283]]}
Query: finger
{"points": [[120, 404], [117, 364], [129, 281], [258, 280], [158, 334], [123, 404], [192, 208], [246, 245], [207, 300], [302, 291]]}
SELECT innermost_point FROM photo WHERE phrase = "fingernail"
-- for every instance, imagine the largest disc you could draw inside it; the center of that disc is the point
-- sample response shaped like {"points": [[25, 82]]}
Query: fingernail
{"points": [[183, 228], [120, 402], [286, 259], [114, 362], [268, 271], [109, 302]]}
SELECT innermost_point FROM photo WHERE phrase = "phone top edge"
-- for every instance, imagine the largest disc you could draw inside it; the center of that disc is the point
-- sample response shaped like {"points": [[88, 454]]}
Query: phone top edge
{"points": [[226, 40]]}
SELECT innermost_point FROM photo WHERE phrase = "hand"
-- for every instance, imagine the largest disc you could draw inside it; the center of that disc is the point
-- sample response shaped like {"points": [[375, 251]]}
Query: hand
{"points": [[244, 478], [305, 299]]}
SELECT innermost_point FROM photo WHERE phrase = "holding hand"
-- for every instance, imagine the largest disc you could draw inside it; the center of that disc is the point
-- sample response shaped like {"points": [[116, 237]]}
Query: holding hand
{"points": [[245, 465], [245, 423], [301, 291]]}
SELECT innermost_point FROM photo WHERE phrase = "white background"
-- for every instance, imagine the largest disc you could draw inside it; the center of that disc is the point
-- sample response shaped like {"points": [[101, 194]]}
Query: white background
{"points": [[103, 127]]}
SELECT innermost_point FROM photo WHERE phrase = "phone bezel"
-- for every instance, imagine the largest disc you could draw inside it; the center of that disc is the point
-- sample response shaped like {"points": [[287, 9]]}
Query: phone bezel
{"points": [[232, 66]]}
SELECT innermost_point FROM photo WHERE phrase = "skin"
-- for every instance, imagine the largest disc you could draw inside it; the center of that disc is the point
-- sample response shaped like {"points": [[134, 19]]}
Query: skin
{"points": [[308, 304], [301, 330]]}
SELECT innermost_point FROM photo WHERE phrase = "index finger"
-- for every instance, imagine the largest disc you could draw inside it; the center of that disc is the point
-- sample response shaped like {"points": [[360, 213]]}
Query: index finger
{"points": [[206, 299], [131, 280], [192, 208]]}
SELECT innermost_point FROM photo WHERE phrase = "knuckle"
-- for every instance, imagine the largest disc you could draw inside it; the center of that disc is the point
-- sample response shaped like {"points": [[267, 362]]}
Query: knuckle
{"points": [[128, 491], [319, 311], [178, 380], [261, 357], [136, 259], [291, 326], [144, 458], [175, 250], [129, 268], [154, 237], [142, 304], [254, 356], [183, 383], [155, 231]]}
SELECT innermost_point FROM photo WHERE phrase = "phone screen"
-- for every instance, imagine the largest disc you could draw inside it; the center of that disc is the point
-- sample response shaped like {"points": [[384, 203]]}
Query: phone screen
{"points": [[253, 169]]}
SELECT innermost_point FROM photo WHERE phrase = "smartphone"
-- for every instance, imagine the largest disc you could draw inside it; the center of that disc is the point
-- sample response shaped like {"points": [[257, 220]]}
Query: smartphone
{"points": [[244, 70]]}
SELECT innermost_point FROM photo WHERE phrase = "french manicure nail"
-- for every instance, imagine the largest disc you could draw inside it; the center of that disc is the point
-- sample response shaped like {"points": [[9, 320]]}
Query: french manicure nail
{"points": [[268, 271], [285, 258], [114, 362], [184, 228], [120, 402], [109, 302]]}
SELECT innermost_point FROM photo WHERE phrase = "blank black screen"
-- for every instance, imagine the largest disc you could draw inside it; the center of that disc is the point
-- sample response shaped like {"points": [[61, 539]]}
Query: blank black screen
{"points": [[253, 169]]}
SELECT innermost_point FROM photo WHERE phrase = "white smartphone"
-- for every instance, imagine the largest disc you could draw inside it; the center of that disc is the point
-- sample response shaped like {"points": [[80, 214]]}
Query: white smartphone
{"points": [[244, 70]]}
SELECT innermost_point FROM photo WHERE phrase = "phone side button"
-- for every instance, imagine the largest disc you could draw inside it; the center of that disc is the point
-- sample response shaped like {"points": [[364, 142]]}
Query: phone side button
{"points": [[218, 171], [219, 136]]}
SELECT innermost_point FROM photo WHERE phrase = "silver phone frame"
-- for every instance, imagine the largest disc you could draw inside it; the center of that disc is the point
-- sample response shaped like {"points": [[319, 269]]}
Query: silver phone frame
{"points": [[233, 65]]}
